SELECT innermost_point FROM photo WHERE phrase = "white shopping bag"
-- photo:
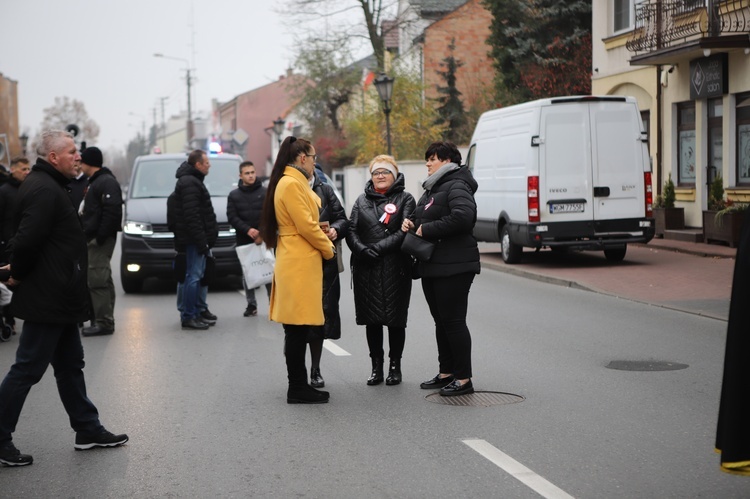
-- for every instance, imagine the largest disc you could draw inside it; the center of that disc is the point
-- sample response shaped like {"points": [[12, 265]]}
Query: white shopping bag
{"points": [[257, 264]]}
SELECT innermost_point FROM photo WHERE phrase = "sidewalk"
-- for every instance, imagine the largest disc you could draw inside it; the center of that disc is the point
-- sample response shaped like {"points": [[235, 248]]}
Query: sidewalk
{"points": [[690, 277]]}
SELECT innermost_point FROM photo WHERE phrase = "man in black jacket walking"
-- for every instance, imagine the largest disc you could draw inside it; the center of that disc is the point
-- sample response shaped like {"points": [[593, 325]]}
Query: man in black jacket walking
{"points": [[101, 218], [48, 272], [195, 233]]}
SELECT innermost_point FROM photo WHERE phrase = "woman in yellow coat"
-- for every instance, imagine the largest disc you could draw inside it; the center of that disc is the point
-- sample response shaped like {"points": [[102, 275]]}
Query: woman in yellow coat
{"points": [[290, 224]]}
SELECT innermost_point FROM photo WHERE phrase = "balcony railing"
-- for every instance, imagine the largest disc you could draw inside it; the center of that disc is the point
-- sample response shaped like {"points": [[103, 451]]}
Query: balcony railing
{"points": [[664, 24]]}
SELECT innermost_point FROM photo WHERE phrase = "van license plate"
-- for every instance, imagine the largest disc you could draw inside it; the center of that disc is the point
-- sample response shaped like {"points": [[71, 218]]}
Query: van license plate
{"points": [[566, 208]]}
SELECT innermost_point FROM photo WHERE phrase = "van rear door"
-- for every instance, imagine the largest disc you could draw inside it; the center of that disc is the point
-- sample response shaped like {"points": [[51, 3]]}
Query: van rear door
{"points": [[565, 179], [618, 160]]}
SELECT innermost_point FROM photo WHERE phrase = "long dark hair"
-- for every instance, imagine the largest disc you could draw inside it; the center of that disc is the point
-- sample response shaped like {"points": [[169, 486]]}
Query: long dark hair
{"points": [[288, 152]]}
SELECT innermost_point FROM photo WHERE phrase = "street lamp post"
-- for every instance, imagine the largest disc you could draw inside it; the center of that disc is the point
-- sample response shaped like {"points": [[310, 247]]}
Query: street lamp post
{"points": [[24, 138], [278, 128], [384, 85], [188, 78]]}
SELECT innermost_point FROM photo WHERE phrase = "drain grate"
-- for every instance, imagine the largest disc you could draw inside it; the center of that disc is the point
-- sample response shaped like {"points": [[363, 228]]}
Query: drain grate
{"points": [[476, 399], [645, 365]]}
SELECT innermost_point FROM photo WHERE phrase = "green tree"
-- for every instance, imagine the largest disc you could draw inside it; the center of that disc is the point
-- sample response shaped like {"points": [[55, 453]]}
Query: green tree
{"points": [[541, 48], [451, 109], [414, 124]]}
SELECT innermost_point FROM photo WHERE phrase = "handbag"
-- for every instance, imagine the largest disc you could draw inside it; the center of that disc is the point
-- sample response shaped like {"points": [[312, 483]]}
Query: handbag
{"points": [[418, 247], [257, 264]]}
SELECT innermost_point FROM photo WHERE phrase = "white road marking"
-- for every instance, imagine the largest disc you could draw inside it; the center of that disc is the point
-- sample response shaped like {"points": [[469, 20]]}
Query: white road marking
{"points": [[517, 470], [335, 349]]}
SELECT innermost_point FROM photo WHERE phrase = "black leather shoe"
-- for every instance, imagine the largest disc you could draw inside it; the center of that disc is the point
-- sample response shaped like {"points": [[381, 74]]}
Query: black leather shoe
{"points": [[96, 331], [206, 321], [394, 373], [316, 380], [206, 314], [194, 324], [306, 395], [436, 382], [456, 388], [250, 311], [376, 377]]}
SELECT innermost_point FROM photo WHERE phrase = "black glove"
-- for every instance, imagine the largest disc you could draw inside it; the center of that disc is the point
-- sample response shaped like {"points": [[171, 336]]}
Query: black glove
{"points": [[370, 253], [206, 252], [180, 267]]}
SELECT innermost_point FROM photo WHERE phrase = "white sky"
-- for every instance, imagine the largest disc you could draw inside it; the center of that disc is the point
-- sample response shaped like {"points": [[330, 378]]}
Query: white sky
{"points": [[101, 53]]}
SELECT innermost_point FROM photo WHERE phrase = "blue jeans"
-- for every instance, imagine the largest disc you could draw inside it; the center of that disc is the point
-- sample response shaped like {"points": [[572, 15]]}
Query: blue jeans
{"points": [[202, 297], [39, 346], [191, 289]]}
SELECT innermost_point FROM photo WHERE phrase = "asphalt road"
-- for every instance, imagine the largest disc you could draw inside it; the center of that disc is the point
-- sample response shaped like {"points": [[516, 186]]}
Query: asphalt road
{"points": [[207, 415]]}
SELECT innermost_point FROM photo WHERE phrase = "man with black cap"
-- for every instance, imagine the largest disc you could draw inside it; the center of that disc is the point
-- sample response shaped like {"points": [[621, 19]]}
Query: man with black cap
{"points": [[101, 217]]}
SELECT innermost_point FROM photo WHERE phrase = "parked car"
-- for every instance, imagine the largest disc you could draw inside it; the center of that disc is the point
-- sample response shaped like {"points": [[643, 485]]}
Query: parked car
{"points": [[147, 245], [565, 173]]}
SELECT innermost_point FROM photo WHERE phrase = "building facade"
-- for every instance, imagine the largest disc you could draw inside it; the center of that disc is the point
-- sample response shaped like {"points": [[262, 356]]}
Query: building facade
{"points": [[687, 62]]}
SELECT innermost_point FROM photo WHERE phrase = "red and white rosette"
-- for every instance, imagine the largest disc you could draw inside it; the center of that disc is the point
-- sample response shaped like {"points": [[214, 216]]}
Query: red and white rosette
{"points": [[389, 210]]}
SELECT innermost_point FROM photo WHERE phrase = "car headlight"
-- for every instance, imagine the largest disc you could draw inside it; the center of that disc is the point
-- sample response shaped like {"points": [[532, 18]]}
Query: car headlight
{"points": [[138, 228]]}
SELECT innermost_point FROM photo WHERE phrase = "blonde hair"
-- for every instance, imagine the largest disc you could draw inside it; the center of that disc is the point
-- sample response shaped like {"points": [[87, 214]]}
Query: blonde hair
{"points": [[383, 158]]}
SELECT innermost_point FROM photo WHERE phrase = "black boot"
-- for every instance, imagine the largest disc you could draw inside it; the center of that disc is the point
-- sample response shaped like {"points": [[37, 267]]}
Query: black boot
{"points": [[394, 373], [377, 372], [316, 380]]}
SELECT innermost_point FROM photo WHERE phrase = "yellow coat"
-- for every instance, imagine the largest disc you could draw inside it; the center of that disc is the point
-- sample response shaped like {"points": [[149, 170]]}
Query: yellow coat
{"points": [[297, 292]]}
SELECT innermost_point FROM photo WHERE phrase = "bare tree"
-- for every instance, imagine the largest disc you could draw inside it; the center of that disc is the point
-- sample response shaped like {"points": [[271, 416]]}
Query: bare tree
{"points": [[373, 12], [66, 112]]}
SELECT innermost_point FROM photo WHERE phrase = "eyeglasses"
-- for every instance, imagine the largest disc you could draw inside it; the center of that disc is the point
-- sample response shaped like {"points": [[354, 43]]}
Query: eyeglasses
{"points": [[381, 173], [313, 156]]}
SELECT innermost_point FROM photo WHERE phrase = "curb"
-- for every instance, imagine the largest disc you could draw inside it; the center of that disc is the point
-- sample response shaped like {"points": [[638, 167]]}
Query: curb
{"points": [[576, 285]]}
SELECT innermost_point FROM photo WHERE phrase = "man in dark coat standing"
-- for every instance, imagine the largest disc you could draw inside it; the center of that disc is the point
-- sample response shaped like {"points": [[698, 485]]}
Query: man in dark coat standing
{"points": [[244, 205], [101, 218], [195, 234], [19, 170], [48, 272]]}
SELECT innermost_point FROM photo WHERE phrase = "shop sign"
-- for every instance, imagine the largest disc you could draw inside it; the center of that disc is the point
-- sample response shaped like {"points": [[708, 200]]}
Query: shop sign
{"points": [[709, 77]]}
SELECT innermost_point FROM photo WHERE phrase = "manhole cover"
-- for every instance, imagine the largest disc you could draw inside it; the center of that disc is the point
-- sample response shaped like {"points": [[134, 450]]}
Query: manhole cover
{"points": [[645, 365], [476, 399]]}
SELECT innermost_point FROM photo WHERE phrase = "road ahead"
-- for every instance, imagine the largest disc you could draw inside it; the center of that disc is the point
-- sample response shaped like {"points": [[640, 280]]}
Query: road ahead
{"points": [[207, 415]]}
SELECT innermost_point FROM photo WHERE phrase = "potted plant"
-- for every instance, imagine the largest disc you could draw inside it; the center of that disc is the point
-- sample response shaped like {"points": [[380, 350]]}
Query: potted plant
{"points": [[723, 219], [666, 216]]}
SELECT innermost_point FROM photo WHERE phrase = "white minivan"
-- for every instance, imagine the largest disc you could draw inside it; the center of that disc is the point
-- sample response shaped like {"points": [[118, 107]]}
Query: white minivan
{"points": [[564, 173]]}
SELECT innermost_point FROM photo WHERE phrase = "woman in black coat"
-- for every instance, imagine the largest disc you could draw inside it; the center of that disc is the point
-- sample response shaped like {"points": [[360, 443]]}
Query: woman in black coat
{"points": [[332, 213], [445, 215], [380, 271]]}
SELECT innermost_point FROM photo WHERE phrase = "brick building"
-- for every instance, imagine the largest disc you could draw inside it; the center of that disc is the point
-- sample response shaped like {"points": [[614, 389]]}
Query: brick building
{"points": [[469, 26]]}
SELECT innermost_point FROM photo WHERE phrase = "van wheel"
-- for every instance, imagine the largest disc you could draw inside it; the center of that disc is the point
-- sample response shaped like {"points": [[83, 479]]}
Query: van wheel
{"points": [[131, 284], [510, 251], [615, 254]]}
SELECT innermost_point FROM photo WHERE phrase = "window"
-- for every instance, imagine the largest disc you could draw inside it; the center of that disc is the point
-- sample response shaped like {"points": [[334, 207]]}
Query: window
{"points": [[743, 139], [622, 13], [715, 138], [686, 143]]}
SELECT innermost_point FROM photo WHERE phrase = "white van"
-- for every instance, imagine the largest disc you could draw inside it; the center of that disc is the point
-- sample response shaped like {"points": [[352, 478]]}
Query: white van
{"points": [[566, 173]]}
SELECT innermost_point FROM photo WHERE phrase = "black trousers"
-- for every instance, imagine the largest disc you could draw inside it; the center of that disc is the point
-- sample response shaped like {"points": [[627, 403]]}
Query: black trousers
{"points": [[448, 299], [396, 341], [295, 348], [39, 346]]}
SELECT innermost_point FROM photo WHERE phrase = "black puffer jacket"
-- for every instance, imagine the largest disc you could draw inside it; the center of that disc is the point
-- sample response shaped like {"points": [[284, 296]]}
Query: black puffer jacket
{"points": [[332, 212], [244, 205], [382, 286], [192, 212], [49, 255], [447, 214], [102, 207], [8, 193]]}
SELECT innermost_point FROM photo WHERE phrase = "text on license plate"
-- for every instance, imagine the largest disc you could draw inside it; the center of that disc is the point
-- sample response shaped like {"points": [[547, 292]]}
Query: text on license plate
{"points": [[566, 208]]}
